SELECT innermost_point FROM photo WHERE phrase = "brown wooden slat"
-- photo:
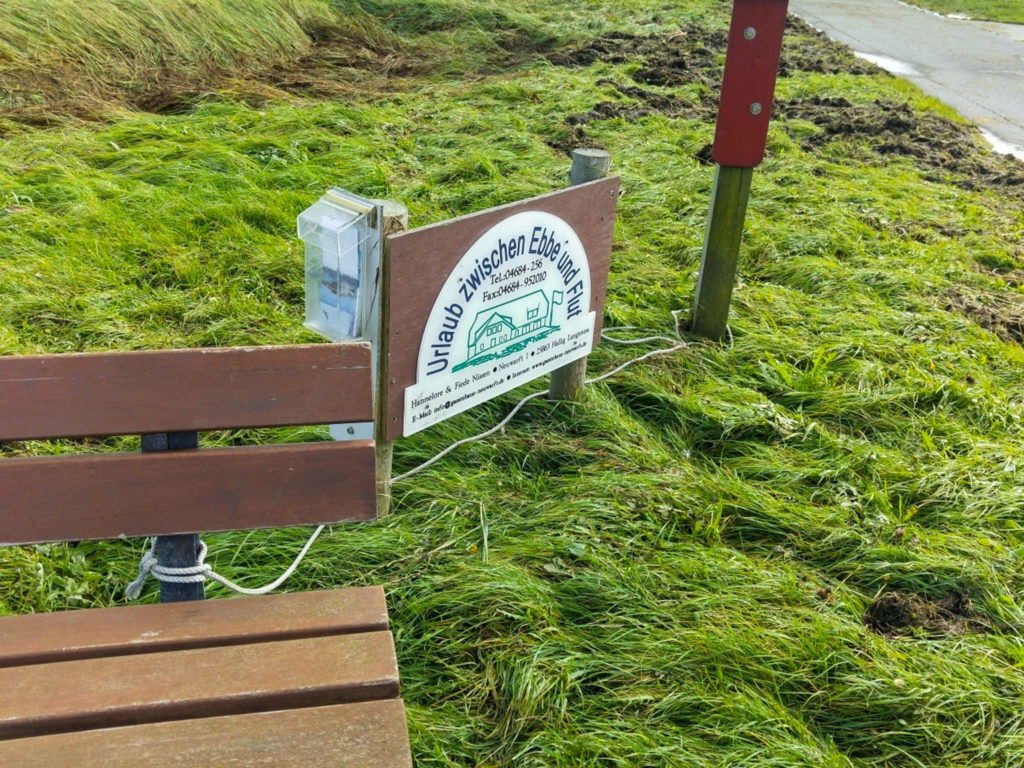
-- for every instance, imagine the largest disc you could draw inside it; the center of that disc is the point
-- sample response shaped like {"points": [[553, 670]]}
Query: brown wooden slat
{"points": [[133, 629], [217, 489], [206, 682], [370, 734], [120, 393]]}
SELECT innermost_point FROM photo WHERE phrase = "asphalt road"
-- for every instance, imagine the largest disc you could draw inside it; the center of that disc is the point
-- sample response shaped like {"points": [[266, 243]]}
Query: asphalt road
{"points": [[975, 67]]}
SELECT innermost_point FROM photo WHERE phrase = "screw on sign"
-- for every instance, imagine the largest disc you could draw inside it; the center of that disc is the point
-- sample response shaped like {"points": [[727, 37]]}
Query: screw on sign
{"points": [[744, 111]]}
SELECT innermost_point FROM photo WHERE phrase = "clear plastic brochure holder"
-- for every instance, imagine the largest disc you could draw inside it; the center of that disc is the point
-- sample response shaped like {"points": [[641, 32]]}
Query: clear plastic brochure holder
{"points": [[342, 236]]}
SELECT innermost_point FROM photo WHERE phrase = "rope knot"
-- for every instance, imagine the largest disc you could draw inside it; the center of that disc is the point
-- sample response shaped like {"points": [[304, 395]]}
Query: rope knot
{"points": [[149, 565]]}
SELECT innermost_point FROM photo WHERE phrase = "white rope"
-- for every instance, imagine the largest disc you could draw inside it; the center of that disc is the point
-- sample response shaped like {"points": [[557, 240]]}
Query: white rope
{"points": [[654, 353], [149, 565], [643, 340], [472, 439]]}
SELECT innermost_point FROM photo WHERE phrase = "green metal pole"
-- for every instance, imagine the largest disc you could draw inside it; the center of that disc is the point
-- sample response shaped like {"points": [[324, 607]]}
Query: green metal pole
{"points": [[722, 238]]}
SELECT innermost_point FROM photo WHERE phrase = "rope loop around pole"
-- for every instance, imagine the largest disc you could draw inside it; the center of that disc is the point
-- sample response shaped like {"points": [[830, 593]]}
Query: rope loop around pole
{"points": [[149, 565]]}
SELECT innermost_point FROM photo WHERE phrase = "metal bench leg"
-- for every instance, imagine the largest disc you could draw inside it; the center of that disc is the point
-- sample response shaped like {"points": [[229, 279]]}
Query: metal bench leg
{"points": [[182, 550]]}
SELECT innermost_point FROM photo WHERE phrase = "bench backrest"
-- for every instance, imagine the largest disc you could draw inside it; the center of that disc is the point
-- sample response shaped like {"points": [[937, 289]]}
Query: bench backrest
{"points": [[105, 495]]}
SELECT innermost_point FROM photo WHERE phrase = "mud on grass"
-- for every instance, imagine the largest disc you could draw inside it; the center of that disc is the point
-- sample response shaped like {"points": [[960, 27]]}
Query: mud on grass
{"points": [[694, 55], [896, 613], [1002, 312], [944, 150]]}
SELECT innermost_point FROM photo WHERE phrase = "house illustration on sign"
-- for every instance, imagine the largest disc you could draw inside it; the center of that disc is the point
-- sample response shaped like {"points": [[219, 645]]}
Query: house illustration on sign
{"points": [[504, 329]]}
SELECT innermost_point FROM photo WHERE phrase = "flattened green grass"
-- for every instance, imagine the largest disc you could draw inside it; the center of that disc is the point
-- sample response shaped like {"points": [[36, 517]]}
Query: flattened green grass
{"points": [[1008, 11], [676, 572], [100, 58], [99, 55]]}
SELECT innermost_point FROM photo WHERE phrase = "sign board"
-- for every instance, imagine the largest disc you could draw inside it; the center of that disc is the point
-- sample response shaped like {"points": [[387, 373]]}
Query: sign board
{"points": [[482, 304]]}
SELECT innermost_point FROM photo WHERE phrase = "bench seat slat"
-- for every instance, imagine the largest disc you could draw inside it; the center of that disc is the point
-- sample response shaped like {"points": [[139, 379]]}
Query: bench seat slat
{"points": [[71, 498], [182, 390], [204, 682], [133, 629], [341, 736]]}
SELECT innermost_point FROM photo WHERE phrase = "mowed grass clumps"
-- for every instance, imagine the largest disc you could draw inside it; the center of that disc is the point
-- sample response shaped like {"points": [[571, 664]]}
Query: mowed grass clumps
{"points": [[799, 548], [98, 55], [101, 58]]}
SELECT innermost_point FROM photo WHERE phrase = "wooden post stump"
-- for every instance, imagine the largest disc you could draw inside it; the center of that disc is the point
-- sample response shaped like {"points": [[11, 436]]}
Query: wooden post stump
{"points": [[567, 382]]}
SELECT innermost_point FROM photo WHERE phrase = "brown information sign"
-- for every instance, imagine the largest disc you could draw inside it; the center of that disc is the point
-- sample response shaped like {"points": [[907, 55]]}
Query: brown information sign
{"points": [[478, 305]]}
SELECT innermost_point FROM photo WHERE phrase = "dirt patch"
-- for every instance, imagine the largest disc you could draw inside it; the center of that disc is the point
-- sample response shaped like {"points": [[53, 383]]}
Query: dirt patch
{"points": [[688, 56], [897, 614], [647, 103], [940, 147], [693, 47], [693, 55], [606, 110], [1012, 277], [657, 101], [696, 53], [1002, 313], [805, 49], [945, 151], [576, 138]]}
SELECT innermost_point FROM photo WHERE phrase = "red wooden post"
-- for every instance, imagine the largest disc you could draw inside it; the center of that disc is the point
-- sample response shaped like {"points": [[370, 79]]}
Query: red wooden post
{"points": [[748, 85], [748, 89]]}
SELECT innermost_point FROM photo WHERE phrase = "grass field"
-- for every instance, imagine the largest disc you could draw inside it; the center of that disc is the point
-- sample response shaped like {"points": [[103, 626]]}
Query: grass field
{"points": [[801, 548], [1009, 11]]}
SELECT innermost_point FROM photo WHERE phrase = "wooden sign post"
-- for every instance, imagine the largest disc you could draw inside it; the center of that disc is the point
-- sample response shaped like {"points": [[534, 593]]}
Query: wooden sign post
{"points": [[396, 219], [567, 382], [748, 89]]}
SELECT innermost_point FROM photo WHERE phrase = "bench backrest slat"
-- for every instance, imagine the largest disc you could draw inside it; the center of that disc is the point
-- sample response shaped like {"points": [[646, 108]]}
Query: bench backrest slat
{"points": [[69, 498], [104, 495], [123, 393]]}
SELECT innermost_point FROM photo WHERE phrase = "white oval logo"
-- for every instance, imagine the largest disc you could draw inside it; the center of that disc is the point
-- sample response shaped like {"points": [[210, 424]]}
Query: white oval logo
{"points": [[516, 306]]}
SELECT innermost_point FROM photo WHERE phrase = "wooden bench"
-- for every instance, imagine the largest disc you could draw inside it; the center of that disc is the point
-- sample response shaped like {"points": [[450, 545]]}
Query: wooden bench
{"points": [[304, 679]]}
